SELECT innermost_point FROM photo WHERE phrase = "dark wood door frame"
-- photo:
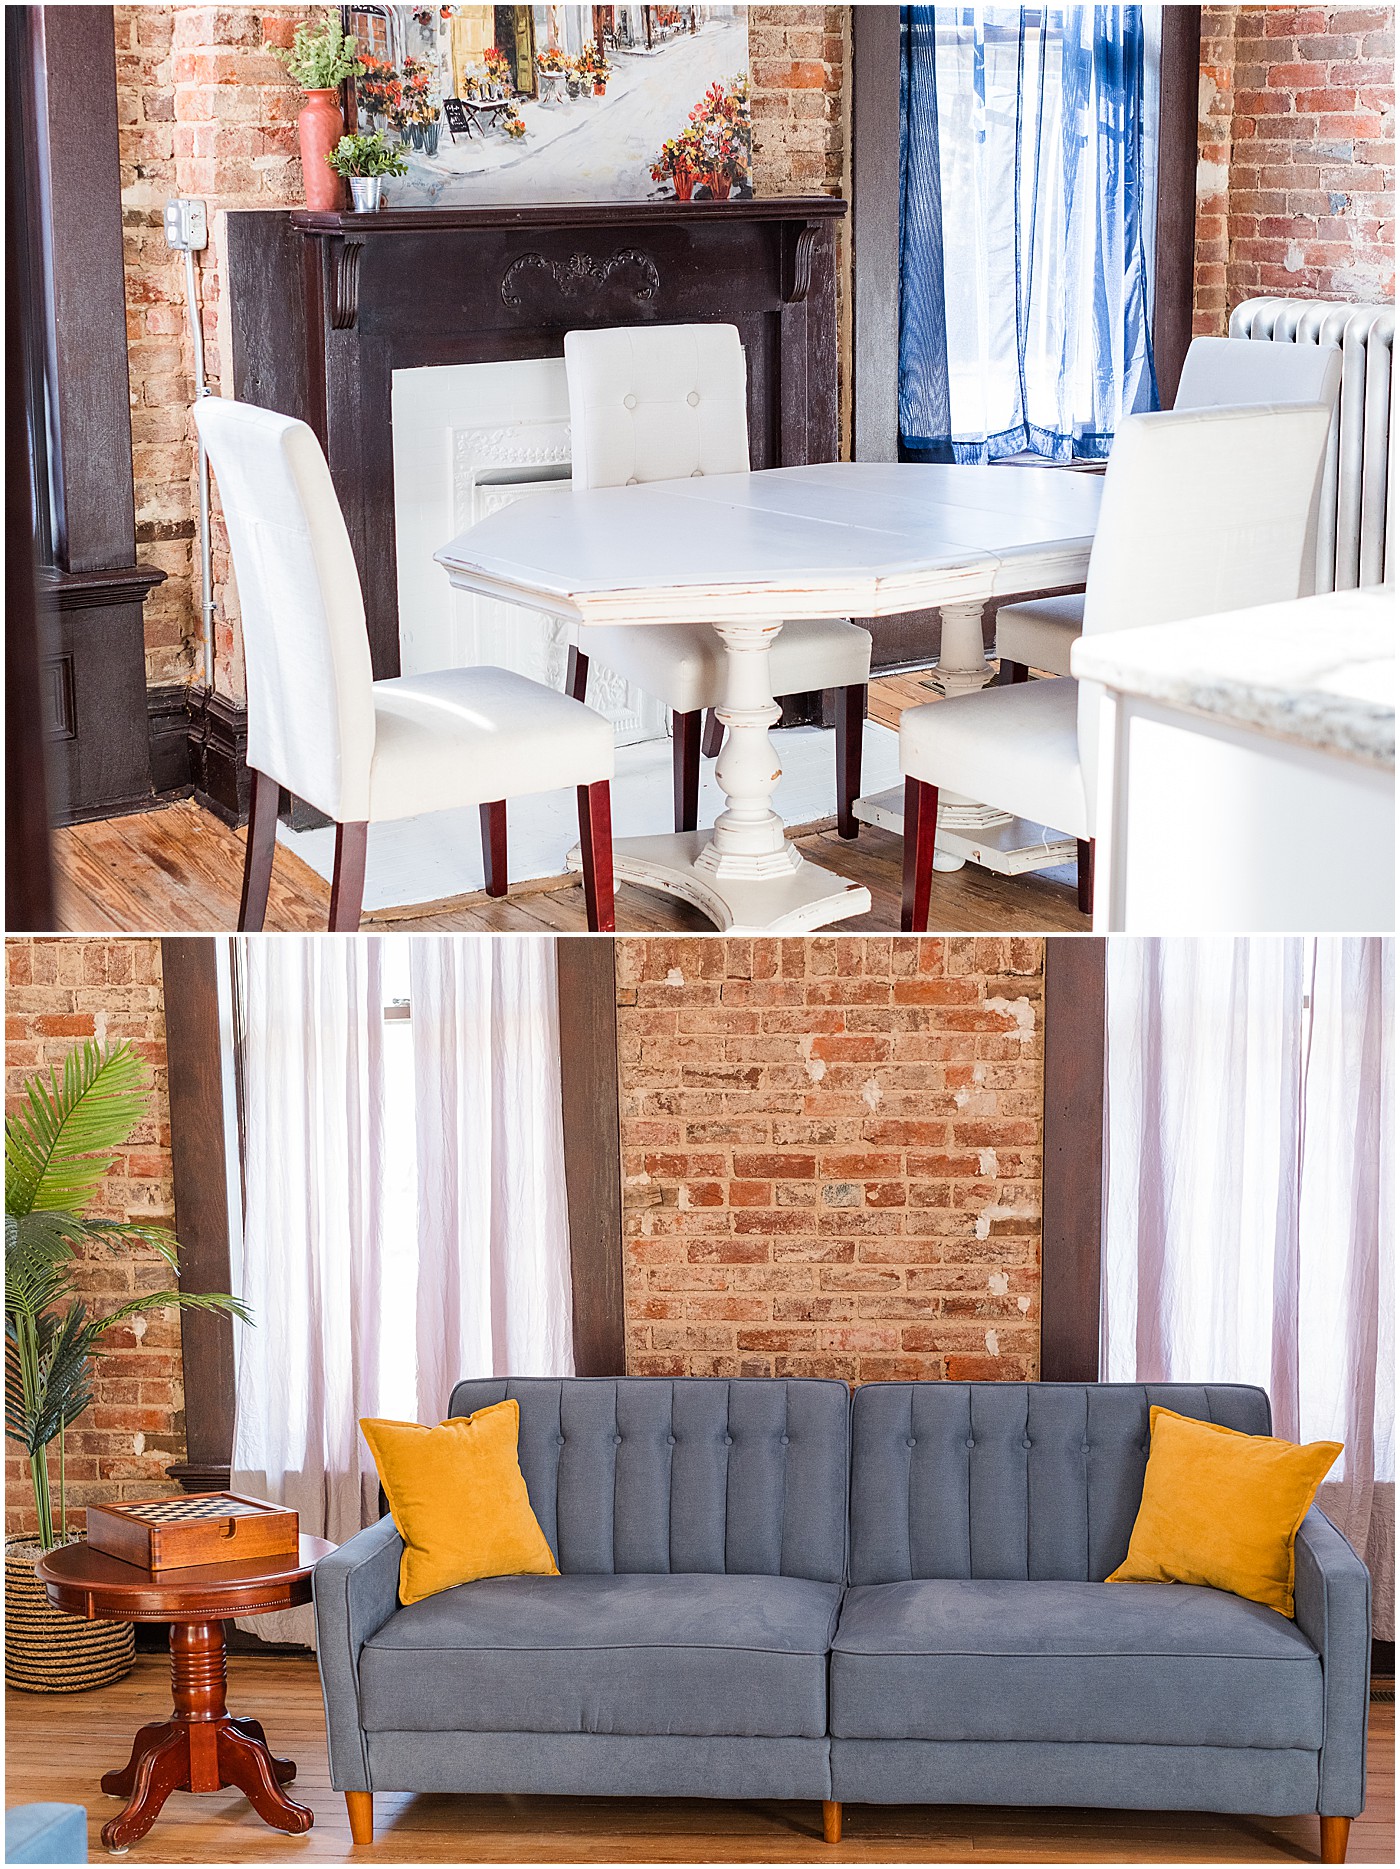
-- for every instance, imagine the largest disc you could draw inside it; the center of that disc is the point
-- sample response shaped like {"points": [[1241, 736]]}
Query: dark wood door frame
{"points": [[1072, 1171], [1174, 285], [592, 1151], [199, 1167]]}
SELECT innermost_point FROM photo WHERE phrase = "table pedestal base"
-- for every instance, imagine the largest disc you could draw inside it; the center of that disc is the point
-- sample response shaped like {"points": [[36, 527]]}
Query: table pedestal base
{"points": [[202, 1747], [806, 898], [1006, 845]]}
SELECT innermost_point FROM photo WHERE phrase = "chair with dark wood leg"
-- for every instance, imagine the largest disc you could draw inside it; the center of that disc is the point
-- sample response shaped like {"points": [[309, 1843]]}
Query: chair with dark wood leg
{"points": [[667, 402], [1202, 512], [362, 751]]}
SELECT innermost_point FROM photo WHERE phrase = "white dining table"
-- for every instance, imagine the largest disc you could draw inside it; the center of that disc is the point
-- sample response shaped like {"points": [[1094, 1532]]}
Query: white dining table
{"points": [[746, 553]]}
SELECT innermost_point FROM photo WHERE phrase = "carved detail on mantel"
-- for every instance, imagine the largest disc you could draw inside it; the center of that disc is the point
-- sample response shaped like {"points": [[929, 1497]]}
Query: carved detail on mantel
{"points": [[581, 273], [802, 263], [344, 255]]}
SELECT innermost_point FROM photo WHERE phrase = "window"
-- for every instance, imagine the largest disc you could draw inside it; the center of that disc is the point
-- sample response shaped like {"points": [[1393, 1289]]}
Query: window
{"points": [[1027, 203]]}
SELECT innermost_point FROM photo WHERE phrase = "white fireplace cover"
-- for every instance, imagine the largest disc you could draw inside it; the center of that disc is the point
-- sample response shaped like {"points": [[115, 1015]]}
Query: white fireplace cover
{"points": [[468, 439]]}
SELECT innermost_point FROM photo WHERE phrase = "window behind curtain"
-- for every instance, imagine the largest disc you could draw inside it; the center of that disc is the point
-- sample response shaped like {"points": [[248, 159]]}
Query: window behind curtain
{"points": [[1248, 1219], [1027, 200]]}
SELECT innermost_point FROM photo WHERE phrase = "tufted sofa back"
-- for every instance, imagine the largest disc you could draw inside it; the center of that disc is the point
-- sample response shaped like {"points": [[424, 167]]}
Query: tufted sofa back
{"points": [[643, 1474], [1010, 1479]]}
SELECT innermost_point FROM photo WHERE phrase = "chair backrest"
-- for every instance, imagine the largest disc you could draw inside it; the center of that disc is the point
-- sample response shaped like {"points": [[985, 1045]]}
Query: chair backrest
{"points": [[647, 1474], [309, 679], [656, 402], [1203, 511], [1010, 1480], [1232, 373]]}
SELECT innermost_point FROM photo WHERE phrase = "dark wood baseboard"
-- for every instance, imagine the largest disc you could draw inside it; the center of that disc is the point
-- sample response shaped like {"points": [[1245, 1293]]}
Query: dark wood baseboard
{"points": [[93, 690], [199, 743]]}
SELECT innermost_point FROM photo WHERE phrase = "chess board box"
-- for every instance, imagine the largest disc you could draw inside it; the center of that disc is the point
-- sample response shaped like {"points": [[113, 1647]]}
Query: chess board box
{"points": [[201, 1528]]}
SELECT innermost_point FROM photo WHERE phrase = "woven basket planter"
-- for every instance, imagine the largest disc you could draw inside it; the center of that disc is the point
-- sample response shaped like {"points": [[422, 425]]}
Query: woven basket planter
{"points": [[48, 1651]]}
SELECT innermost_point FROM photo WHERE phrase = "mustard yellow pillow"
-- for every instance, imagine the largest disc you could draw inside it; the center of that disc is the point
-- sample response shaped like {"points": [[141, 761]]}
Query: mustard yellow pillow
{"points": [[458, 1498], [1223, 1509]]}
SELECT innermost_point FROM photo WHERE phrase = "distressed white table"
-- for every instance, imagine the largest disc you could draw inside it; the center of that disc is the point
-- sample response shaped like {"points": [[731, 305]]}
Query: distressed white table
{"points": [[747, 553]]}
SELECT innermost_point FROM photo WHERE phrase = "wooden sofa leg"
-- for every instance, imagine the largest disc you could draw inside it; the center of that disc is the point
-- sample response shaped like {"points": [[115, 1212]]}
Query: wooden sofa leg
{"points": [[1335, 1831], [831, 1820], [360, 1805]]}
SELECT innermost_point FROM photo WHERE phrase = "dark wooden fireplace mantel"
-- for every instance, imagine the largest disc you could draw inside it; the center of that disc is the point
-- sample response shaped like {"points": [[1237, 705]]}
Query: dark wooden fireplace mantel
{"points": [[325, 307]]}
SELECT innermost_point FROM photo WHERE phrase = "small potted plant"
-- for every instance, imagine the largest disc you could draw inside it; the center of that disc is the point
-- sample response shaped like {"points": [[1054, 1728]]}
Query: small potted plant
{"points": [[599, 70], [364, 161], [320, 59], [513, 124], [498, 73], [552, 66], [60, 1145]]}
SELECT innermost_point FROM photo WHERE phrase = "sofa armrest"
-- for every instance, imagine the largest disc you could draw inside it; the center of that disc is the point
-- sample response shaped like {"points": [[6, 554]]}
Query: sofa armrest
{"points": [[1332, 1608], [356, 1591]]}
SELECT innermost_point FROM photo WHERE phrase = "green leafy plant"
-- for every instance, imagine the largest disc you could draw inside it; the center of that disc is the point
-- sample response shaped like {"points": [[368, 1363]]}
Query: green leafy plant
{"points": [[322, 57], [366, 155], [60, 1146]]}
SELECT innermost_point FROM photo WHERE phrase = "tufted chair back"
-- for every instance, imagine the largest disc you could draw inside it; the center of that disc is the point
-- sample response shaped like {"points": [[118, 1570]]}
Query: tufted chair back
{"points": [[656, 402], [641, 1474], [1010, 1480], [310, 699]]}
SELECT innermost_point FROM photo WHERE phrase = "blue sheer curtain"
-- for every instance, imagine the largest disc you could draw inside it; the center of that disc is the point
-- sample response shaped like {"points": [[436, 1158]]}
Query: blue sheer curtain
{"points": [[1023, 269]]}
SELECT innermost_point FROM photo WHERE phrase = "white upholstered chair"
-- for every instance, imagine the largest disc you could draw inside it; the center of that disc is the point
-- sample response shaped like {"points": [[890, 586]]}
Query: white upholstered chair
{"points": [[359, 750], [663, 402], [1219, 373], [1202, 511]]}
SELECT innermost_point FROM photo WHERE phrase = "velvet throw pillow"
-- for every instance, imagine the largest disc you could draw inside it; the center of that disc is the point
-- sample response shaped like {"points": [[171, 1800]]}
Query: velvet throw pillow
{"points": [[459, 1501], [1223, 1509]]}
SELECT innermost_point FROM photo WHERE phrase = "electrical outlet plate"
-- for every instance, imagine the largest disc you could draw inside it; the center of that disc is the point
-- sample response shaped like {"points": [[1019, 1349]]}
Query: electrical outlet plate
{"points": [[186, 225]]}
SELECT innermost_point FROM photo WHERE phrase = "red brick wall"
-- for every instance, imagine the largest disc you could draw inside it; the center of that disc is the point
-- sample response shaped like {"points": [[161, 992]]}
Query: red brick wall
{"points": [[831, 1156], [1296, 184], [58, 992], [204, 110]]}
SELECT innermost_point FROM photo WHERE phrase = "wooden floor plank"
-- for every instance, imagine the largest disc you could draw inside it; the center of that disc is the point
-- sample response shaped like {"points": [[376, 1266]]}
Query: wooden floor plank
{"points": [[57, 1746], [178, 870]]}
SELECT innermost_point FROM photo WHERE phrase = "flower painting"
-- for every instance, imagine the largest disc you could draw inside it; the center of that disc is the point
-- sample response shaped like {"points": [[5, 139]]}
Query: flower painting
{"points": [[557, 103]]}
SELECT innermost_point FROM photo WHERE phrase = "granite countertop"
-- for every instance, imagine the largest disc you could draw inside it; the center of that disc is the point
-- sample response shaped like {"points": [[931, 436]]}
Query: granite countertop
{"points": [[1319, 671]]}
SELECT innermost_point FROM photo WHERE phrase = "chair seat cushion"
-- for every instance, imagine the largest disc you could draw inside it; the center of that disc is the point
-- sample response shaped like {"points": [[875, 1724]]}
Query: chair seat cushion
{"points": [[467, 736], [677, 1653], [1120, 1664], [682, 664], [1041, 633], [1015, 747]]}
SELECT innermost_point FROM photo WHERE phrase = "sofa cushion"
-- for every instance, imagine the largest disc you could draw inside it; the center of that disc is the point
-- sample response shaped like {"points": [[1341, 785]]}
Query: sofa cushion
{"points": [[670, 1654], [1130, 1664]]}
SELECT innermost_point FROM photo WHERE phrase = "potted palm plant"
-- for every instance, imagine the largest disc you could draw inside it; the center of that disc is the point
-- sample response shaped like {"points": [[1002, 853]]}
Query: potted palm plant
{"points": [[60, 1145], [364, 161], [320, 59]]}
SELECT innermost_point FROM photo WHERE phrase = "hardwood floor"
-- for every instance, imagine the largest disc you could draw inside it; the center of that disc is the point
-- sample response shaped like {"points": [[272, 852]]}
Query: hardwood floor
{"points": [[178, 869], [58, 1746]]}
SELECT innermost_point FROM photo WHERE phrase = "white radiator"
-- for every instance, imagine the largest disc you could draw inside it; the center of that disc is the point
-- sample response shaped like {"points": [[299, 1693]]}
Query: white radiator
{"points": [[1356, 522]]}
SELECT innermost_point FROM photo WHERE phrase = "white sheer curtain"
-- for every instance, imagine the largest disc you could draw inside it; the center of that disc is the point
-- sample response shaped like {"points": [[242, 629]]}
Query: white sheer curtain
{"points": [[1249, 1194], [405, 1221]]}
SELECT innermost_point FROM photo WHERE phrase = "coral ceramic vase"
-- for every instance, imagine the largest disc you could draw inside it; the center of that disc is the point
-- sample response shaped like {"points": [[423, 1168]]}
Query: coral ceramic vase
{"points": [[320, 127]]}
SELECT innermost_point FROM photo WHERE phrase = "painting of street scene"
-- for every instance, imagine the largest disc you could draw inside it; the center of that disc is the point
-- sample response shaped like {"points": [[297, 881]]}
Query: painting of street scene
{"points": [[557, 103]]}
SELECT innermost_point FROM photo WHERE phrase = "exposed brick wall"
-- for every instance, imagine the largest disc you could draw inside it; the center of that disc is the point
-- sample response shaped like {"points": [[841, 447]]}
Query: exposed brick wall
{"points": [[1296, 183], [831, 1156], [59, 992], [204, 110]]}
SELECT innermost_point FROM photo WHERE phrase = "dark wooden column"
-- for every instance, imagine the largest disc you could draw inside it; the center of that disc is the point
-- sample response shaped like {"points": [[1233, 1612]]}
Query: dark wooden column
{"points": [[592, 1151], [875, 229], [96, 688], [1073, 1159], [1173, 297], [195, 1062]]}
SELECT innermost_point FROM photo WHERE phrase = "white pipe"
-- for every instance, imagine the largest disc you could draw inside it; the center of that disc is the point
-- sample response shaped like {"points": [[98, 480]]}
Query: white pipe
{"points": [[206, 556]]}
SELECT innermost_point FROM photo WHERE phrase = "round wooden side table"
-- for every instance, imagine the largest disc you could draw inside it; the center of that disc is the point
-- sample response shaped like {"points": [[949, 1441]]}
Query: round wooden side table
{"points": [[202, 1746]]}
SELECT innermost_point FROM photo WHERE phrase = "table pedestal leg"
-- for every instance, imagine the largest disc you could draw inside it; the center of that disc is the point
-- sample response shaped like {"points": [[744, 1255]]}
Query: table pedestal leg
{"points": [[748, 841], [202, 1747]]}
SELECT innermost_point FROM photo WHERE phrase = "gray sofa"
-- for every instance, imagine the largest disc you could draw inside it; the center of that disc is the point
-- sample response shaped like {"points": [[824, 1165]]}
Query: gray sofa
{"points": [[727, 1624]]}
